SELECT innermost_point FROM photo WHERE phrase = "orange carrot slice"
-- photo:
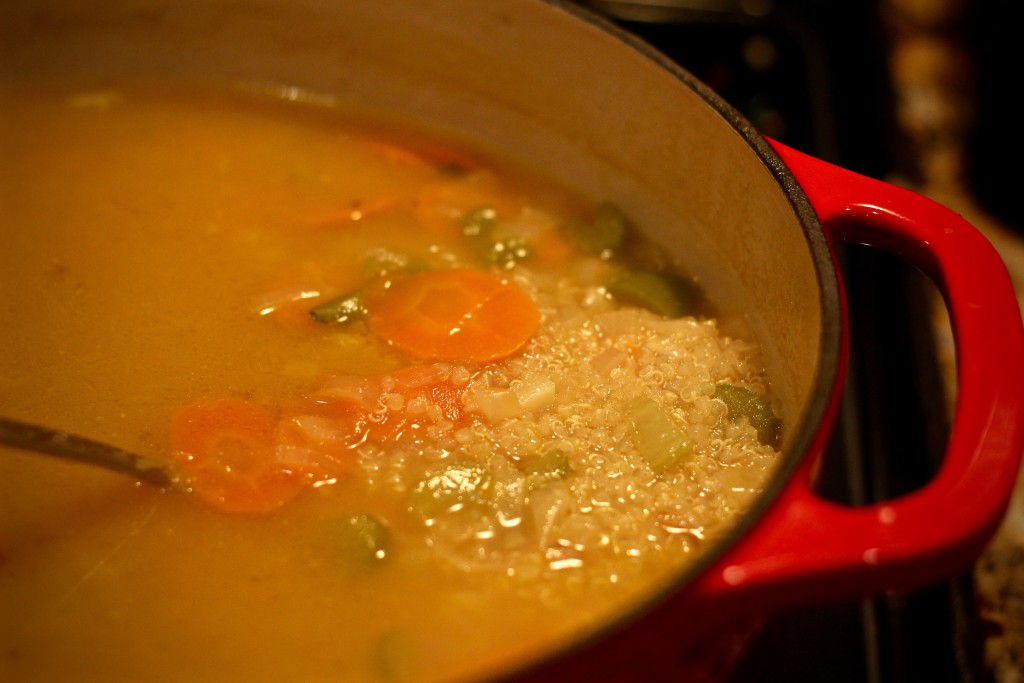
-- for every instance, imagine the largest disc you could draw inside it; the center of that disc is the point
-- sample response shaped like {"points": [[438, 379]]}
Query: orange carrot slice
{"points": [[225, 451], [430, 383], [317, 436], [459, 314]]}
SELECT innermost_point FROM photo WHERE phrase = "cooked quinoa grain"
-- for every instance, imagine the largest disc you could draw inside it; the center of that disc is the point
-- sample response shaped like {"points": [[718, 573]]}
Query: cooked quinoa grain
{"points": [[573, 392]]}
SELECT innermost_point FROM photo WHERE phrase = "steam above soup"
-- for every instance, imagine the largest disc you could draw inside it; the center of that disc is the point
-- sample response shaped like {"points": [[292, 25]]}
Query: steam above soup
{"points": [[433, 414]]}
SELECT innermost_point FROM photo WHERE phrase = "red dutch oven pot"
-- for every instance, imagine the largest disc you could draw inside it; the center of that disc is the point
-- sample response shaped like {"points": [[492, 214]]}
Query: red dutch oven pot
{"points": [[555, 88], [803, 549]]}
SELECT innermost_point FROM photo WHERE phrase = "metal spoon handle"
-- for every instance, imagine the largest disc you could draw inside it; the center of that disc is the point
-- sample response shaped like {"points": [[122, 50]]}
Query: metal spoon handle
{"points": [[54, 442]]}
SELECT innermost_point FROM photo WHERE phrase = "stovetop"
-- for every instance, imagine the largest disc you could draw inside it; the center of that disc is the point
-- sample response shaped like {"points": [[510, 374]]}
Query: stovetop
{"points": [[838, 79]]}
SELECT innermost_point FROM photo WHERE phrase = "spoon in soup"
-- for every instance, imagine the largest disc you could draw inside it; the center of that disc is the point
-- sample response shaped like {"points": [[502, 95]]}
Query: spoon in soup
{"points": [[38, 439]]}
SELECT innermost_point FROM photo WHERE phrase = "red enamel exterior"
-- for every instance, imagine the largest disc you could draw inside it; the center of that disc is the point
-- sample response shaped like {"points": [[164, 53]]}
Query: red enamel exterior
{"points": [[809, 548]]}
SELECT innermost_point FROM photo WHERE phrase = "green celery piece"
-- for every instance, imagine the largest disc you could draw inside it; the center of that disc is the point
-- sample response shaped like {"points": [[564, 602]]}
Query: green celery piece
{"points": [[479, 226], [457, 483], [743, 402], [340, 310], [665, 294], [361, 540], [661, 440], [551, 466], [604, 233]]}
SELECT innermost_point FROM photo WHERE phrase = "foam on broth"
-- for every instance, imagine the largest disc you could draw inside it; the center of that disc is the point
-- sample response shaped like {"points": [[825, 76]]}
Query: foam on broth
{"points": [[165, 243]]}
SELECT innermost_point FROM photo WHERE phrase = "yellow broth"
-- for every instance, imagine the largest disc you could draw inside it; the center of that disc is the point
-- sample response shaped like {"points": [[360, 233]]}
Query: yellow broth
{"points": [[163, 244]]}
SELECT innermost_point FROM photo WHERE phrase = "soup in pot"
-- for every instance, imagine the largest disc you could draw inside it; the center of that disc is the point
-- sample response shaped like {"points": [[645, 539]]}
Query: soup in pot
{"points": [[432, 415]]}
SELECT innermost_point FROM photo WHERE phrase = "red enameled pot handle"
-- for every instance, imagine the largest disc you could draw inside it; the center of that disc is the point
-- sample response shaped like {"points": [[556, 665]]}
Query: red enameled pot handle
{"points": [[807, 549]]}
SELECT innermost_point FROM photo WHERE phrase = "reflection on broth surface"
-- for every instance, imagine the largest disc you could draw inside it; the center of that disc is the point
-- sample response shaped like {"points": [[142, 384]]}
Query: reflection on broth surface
{"points": [[434, 415]]}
